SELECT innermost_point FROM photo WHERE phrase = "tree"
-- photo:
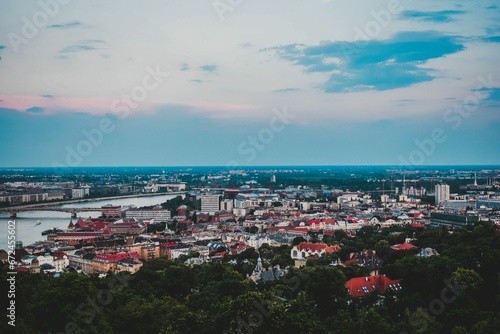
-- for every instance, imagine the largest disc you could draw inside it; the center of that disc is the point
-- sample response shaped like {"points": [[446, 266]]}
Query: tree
{"points": [[298, 240], [325, 286], [466, 278], [253, 229]]}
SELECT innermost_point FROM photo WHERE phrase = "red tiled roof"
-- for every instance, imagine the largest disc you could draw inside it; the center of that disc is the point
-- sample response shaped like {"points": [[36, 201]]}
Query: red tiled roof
{"points": [[333, 249], [362, 286], [313, 221], [220, 254], [58, 254], [79, 234], [404, 246], [300, 229], [318, 247], [351, 261], [80, 223], [112, 257], [98, 225]]}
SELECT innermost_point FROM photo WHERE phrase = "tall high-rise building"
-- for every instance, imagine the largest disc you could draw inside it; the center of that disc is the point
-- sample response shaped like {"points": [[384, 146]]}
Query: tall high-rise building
{"points": [[210, 203], [442, 193], [226, 205]]}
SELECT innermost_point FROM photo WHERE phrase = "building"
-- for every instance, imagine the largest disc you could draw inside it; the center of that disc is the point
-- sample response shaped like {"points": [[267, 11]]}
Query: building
{"points": [[305, 250], [226, 205], [72, 238], [24, 198], [210, 203], [79, 192], [126, 228], [111, 211], [55, 262], [489, 203], [362, 286], [458, 204], [125, 261], [146, 250], [81, 261], [182, 210], [442, 193], [249, 200], [55, 195], [160, 215], [171, 187], [452, 220], [366, 259], [404, 246], [221, 216]]}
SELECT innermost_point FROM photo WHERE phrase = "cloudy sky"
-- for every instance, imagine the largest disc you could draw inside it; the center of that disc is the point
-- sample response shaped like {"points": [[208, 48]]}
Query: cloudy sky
{"points": [[283, 82]]}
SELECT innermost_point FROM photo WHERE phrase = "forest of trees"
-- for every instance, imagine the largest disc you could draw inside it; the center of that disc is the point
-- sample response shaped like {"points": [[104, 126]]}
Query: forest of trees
{"points": [[456, 292]]}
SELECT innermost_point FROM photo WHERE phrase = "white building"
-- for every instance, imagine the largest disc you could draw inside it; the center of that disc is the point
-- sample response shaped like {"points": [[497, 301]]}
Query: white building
{"points": [[160, 215], [210, 203], [59, 263], [81, 262], [226, 205], [442, 193], [79, 192], [252, 200], [306, 250]]}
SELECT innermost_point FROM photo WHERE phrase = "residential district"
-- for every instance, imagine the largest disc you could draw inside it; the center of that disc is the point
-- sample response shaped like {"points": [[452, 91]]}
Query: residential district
{"points": [[208, 223]]}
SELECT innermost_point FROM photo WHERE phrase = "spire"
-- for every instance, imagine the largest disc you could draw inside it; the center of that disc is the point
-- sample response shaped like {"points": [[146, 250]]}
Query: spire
{"points": [[258, 267]]}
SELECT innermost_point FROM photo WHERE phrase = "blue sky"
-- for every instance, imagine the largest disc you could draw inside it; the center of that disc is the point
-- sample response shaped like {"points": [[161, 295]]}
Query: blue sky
{"points": [[201, 83]]}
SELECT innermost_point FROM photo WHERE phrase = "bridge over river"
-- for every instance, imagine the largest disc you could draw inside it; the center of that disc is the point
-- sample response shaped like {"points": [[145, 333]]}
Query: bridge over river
{"points": [[74, 211]]}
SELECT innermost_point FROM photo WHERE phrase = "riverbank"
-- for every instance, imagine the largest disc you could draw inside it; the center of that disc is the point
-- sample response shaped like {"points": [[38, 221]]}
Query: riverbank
{"points": [[86, 200]]}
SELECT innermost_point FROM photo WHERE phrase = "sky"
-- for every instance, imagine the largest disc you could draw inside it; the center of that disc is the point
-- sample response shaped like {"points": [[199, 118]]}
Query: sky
{"points": [[244, 83]]}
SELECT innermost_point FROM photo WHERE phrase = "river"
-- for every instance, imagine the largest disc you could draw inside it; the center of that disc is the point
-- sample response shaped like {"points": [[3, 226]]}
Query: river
{"points": [[28, 232]]}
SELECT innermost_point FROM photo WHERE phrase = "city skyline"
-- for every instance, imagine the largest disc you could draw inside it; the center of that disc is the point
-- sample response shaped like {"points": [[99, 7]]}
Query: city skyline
{"points": [[249, 83]]}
